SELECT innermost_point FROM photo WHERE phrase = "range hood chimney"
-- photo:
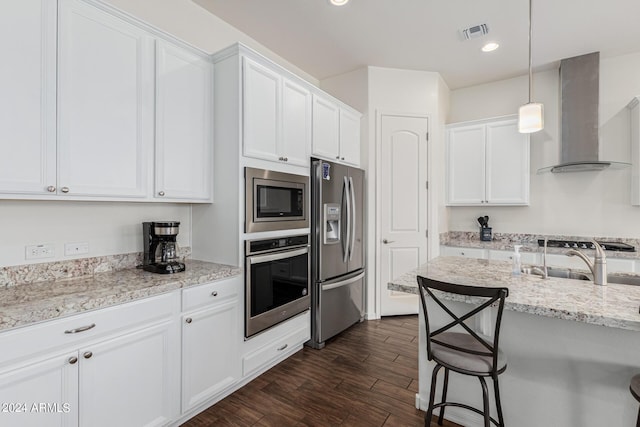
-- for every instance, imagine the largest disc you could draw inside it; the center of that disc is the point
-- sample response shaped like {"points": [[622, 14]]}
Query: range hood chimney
{"points": [[579, 98]]}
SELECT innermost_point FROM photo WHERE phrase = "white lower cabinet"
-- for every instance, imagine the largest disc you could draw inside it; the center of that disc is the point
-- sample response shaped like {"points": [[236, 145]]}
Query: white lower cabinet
{"points": [[210, 338], [102, 371], [463, 252]]}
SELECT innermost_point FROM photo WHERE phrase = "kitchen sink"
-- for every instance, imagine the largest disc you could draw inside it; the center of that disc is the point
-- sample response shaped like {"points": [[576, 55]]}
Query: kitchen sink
{"points": [[562, 273], [567, 273]]}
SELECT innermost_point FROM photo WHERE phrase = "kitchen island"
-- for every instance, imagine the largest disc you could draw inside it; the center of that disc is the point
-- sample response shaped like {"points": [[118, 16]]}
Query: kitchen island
{"points": [[572, 346]]}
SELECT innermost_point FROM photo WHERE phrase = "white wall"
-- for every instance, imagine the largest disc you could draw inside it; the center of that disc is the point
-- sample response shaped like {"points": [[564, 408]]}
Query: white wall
{"points": [[585, 203], [113, 228]]}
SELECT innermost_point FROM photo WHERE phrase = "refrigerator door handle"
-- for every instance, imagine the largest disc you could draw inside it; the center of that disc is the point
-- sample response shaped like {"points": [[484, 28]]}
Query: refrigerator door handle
{"points": [[342, 283], [345, 244], [354, 215]]}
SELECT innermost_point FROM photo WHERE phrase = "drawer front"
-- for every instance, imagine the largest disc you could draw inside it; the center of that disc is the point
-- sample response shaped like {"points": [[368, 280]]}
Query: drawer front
{"points": [[210, 293], [463, 252], [274, 350], [77, 330]]}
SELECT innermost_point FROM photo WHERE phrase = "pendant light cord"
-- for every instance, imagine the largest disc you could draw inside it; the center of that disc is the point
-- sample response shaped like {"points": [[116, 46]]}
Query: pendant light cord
{"points": [[530, 60]]}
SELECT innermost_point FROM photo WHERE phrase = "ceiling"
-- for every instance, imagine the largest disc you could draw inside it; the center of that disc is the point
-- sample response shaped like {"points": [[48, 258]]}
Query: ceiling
{"points": [[325, 40]]}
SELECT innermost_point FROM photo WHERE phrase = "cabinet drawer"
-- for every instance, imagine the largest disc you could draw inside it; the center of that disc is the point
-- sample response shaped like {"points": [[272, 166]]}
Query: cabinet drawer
{"points": [[210, 293], [82, 328], [275, 349], [463, 252], [525, 257]]}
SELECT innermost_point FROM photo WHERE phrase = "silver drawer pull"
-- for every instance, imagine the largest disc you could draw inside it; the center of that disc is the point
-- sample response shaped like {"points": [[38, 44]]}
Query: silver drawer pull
{"points": [[283, 347], [214, 293], [80, 329], [65, 189], [188, 320], [87, 354], [73, 360]]}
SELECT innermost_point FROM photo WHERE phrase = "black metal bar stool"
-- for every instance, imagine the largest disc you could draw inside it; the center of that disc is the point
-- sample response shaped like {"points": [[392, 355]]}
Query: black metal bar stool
{"points": [[464, 351], [635, 391]]}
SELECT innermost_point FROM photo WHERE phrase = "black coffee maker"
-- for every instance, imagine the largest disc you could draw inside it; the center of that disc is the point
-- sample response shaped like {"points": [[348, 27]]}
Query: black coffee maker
{"points": [[160, 247]]}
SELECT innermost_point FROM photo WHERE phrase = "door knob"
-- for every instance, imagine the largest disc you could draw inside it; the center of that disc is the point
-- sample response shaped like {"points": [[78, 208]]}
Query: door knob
{"points": [[385, 241]]}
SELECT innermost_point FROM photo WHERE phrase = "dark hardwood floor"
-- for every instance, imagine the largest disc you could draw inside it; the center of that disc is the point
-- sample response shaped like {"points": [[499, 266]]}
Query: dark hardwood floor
{"points": [[367, 376]]}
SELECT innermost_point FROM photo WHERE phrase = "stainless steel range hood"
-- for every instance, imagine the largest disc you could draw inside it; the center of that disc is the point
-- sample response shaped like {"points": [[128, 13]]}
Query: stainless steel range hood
{"points": [[579, 98]]}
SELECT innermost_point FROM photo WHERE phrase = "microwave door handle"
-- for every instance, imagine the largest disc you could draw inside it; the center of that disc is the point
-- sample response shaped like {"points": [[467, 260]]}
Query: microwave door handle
{"points": [[345, 243], [354, 216], [257, 259]]}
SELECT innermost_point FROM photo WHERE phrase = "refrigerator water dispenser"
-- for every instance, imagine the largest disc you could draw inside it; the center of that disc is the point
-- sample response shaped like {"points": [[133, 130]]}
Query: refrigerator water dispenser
{"points": [[331, 223]]}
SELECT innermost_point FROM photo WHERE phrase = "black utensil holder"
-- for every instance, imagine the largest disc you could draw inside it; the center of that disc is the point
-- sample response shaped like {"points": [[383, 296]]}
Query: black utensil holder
{"points": [[485, 234]]}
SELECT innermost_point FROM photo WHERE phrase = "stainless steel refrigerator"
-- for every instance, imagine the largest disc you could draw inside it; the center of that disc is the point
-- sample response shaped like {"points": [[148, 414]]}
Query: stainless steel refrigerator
{"points": [[337, 257]]}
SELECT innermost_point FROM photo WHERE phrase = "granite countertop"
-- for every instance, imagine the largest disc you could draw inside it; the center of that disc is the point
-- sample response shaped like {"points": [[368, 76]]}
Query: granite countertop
{"points": [[613, 305], [35, 302]]}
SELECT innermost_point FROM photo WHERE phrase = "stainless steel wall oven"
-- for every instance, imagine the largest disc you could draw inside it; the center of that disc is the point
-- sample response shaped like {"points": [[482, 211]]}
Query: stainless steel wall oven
{"points": [[277, 281], [275, 200]]}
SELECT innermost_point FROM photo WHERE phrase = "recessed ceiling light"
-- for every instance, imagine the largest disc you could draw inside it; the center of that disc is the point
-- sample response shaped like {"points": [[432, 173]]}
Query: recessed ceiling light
{"points": [[338, 2], [490, 47]]}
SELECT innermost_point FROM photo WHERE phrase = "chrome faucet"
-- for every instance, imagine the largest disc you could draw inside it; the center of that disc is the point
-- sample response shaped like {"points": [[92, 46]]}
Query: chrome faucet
{"points": [[599, 265]]}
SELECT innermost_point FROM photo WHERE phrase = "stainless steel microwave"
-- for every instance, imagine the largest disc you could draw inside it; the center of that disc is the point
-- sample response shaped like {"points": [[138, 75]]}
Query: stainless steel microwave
{"points": [[275, 200]]}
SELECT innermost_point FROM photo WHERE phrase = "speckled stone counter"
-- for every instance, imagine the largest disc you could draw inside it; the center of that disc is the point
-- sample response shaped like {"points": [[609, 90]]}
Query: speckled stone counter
{"points": [[613, 305], [35, 302]]}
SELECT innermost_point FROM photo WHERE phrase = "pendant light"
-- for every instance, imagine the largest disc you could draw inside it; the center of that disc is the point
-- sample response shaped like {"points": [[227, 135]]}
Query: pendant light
{"points": [[531, 114]]}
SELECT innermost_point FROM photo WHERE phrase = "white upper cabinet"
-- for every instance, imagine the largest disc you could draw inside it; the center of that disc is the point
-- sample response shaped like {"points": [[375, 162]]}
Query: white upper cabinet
{"points": [[184, 117], [276, 116], [336, 132], [105, 103], [296, 123], [28, 100], [487, 163]]}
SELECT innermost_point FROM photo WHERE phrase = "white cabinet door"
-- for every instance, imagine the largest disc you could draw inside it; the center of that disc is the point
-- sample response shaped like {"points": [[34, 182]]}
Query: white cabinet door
{"points": [[184, 118], [507, 164], [52, 382], [326, 122], [210, 355], [261, 111], [349, 137], [466, 165], [296, 123], [105, 103], [132, 380], [28, 100]]}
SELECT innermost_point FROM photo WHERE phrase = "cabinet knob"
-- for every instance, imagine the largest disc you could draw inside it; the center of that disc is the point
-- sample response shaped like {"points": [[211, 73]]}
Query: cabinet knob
{"points": [[65, 189], [87, 354], [337, 157], [161, 193], [51, 189], [214, 293], [283, 347], [342, 158], [286, 159], [281, 158], [188, 320], [73, 360]]}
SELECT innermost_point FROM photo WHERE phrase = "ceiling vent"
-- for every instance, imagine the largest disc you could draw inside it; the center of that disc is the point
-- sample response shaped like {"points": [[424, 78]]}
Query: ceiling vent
{"points": [[474, 31]]}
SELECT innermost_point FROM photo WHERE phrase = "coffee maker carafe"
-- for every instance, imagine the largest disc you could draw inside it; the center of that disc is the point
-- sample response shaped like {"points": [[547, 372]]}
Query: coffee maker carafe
{"points": [[160, 247]]}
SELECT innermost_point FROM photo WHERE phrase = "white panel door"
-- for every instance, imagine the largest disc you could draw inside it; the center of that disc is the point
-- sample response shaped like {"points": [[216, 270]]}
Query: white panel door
{"points": [[349, 137], [261, 105], [296, 124], [466, 165], [210, 356], [403, 207], [52, 381], [105, 103], [507, 163], [132, 380], [184, 124], [28, 100], [326, 136]]}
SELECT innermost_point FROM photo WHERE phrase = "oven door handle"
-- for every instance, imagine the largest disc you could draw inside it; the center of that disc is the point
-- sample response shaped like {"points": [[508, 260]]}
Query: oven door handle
{"points": [[257, 259]]}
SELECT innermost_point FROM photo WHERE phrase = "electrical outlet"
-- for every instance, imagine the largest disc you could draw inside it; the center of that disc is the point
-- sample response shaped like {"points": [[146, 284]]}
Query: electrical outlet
{"points": [[76, 248], [45, 250]]}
